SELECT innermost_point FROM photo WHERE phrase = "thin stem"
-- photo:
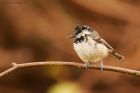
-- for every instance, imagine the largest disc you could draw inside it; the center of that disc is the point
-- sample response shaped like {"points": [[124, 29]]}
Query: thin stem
{"points": [[72, 64]]}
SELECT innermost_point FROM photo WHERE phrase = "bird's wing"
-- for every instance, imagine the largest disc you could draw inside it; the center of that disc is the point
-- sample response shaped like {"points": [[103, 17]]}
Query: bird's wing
{"points": [[112, 51], [100, 40], [106, 44]]}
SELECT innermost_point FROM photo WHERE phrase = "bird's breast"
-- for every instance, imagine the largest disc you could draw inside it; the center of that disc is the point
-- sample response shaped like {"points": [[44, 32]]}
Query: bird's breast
{"points": [[90, 51]]}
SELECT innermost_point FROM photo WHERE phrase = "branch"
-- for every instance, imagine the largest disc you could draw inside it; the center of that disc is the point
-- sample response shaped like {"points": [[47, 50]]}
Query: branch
{"points": [[72, 64]]}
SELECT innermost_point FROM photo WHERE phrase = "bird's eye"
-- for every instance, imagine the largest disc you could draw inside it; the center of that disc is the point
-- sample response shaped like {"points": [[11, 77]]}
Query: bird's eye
{"points": [[77, 30]]}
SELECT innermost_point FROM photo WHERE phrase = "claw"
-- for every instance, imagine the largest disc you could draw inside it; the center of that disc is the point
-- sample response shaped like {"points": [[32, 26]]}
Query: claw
{"points": [[101, 65], [87, 65]]}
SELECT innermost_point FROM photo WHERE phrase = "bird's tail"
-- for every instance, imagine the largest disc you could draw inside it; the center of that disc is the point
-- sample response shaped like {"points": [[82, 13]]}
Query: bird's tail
{"points": [[118, 56]]}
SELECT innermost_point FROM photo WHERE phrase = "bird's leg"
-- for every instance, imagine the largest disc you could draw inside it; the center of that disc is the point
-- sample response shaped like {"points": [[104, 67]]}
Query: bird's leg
{"points": [[101, 65], [87, 65]]}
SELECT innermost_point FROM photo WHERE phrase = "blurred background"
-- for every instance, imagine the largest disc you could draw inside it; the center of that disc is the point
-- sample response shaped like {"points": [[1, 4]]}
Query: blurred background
{"points": [[37, 30]]}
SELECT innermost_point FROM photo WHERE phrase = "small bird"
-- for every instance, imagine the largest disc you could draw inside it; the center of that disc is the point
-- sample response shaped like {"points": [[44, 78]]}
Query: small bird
{"points": [[90, 47]]}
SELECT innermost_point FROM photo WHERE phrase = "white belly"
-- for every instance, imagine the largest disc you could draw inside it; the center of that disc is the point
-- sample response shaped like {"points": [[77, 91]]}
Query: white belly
{"points": [[91, 52]]}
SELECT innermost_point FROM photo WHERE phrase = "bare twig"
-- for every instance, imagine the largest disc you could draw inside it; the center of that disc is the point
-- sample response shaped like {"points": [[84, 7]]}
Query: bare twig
{"points": [[72, 64]]}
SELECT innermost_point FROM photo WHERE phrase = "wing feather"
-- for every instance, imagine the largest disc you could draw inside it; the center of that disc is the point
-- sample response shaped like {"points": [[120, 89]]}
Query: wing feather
{"points": [[111, 50]]}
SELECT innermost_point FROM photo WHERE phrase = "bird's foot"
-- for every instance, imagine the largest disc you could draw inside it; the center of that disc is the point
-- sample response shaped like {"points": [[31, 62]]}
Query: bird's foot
{"points": [[87, 65], [101, 65]]}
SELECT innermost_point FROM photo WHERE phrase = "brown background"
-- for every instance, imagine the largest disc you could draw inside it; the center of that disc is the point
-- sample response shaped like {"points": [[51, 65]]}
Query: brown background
{"points": [[37, 30]]}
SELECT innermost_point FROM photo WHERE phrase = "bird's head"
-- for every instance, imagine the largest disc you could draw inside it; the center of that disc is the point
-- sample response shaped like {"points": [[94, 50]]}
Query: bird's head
{"points": [[81, 31]]}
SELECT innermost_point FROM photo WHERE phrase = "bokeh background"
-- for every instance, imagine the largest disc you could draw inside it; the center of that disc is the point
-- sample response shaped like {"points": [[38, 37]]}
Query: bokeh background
{"points": [[37, 30]]}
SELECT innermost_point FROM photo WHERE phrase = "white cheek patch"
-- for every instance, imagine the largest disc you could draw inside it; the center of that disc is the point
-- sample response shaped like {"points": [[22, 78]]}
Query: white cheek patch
{"points": [[86, 32], [79, 35], [83, 33]]}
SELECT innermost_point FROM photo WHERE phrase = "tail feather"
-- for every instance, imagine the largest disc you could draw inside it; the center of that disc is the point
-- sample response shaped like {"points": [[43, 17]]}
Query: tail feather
{"points": [[118, 56]]}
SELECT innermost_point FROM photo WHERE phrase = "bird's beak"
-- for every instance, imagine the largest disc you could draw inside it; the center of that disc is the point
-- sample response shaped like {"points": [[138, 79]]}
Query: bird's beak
{"points": [[71, 36]]}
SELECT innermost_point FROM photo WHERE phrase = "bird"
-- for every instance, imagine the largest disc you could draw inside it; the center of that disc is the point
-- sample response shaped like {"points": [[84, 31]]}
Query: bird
{"points": [[91, 47]]}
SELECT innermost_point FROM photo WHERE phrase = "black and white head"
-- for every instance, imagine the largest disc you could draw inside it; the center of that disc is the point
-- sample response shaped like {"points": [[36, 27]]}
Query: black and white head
{"points": [[81, 32]]}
